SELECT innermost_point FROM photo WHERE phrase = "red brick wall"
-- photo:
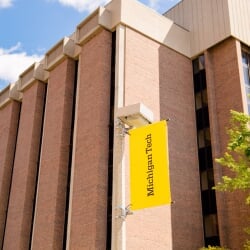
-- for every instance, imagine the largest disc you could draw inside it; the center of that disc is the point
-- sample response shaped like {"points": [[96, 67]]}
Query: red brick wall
{"points": [[9, 118], [224, 93], [20, 210], [51, 193], [177, 103], [162, 79], [87, 229]]}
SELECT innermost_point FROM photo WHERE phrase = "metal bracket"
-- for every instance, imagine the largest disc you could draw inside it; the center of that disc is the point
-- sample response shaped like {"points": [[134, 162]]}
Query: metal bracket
{"points": [[124, 212], [123, 129]]}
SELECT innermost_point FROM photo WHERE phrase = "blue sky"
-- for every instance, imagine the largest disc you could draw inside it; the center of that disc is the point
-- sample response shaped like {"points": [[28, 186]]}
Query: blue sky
{"points": [[29, 28]]}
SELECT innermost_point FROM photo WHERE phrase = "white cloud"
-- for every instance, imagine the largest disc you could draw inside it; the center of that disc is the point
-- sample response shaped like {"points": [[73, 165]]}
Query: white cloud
{"points": [[5, 3], [14, 61], [83, 5]]}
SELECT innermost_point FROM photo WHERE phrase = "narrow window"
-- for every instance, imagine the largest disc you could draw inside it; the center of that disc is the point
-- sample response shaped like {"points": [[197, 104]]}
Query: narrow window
{"points": [[111, 142], [209, 208]]}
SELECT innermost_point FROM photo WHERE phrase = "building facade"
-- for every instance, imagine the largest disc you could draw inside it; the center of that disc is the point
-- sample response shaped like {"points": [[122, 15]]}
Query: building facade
{"points": [[64, 182]]}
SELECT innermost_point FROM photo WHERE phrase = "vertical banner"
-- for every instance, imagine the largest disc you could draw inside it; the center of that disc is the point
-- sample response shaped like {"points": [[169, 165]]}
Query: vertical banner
{"points": [[149, 166]]}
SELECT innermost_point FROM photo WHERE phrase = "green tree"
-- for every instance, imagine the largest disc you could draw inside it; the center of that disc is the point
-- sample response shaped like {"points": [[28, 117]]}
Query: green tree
{"points": [[213, 248], [237, 159]]}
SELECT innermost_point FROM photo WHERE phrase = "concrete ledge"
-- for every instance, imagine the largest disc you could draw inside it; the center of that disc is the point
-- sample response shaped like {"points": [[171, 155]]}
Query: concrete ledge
{"points": [[88, 27], [135, 115], [35, 72], [99, 19], [139, 17], [4, 96], [10, 93], [148, 22], [64, 48]]}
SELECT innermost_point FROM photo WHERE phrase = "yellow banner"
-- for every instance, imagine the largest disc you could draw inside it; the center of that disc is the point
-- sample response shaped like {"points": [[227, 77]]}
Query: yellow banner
{"points": [[149, 166]]}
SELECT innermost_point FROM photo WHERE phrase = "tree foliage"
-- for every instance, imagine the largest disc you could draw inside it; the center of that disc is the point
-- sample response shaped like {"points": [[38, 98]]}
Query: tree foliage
{"points": [[213, 248], [237, 156]]}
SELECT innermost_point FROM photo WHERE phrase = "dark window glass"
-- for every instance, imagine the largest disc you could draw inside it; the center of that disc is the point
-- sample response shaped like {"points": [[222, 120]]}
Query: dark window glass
{"points": [[246, 71], [197, 80], [205, 153], [245, 58], [246, 75], [207, 179], [198, 100], [205, 158], [204, 139], [210, 178], [212, 241], [201, 62], [204, 181], [208, 202], [201, 99], [211, 225], [204, 98], [196, 66], [111, 139], [200, 81], [202, 118]]}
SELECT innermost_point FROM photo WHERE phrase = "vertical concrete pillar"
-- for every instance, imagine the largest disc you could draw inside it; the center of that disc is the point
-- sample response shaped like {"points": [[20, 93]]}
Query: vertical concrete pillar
{"points": [[20, 213], [9, 119], [119, 177], [48, 228], [88, 208]]}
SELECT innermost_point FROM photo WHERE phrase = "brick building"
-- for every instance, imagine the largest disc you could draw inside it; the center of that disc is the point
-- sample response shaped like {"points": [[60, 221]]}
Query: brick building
{"points": [[62, 180]]}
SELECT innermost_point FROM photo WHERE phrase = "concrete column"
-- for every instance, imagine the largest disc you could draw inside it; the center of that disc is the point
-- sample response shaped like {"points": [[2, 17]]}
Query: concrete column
{"points": [[118, 197]]}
